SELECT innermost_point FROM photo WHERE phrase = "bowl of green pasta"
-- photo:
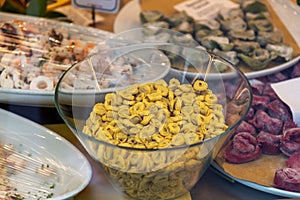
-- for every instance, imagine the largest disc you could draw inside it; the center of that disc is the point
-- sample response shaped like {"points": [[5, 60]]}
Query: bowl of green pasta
{"points": [[154, 136]]}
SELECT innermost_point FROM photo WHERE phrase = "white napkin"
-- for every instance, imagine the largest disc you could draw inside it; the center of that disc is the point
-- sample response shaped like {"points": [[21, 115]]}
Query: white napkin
{"points": [[289, 92], [204, 9]]}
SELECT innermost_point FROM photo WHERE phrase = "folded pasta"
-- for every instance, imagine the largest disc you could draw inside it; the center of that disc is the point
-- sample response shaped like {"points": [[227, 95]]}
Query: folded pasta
{"points": [[157, 115], [159, 122]]}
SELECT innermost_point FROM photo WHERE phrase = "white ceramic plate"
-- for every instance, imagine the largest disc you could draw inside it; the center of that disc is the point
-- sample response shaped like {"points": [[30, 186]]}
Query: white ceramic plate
{"points": [[259, 187], [128, 18], [80, 34], [40, 148]]}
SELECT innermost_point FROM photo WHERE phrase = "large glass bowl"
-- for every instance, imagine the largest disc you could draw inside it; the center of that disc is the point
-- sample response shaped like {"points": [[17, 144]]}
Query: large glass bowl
{"points": [[145, 172]]}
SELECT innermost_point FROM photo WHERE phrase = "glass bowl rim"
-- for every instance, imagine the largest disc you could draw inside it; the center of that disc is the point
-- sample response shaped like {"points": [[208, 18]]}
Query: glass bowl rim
{"points": [[90, 138]]}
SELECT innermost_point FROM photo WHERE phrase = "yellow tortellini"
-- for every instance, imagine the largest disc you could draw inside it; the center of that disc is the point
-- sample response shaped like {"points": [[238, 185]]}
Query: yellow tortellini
{"points": [[155, 115], [164, 109]]}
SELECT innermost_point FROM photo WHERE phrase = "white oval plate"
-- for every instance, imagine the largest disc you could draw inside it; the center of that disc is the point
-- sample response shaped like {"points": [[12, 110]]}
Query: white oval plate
{"points": [[128, 18], [38, 146]]}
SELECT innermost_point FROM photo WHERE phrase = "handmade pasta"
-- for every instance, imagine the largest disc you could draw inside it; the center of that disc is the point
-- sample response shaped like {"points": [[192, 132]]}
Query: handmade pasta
{"points": [[157, 116]]}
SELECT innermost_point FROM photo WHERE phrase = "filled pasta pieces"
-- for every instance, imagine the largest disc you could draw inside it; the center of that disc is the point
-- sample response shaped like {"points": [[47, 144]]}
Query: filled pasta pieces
{"points": [[157, 116], [268, 128]]}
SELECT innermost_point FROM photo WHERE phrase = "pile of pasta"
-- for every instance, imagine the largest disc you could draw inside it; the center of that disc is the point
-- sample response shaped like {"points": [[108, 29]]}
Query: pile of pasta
{"points": [[164, 118], [157, 115]]}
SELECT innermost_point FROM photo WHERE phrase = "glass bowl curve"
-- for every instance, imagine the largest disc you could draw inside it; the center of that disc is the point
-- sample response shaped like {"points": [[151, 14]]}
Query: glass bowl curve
{"points": [[141, 173]]}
